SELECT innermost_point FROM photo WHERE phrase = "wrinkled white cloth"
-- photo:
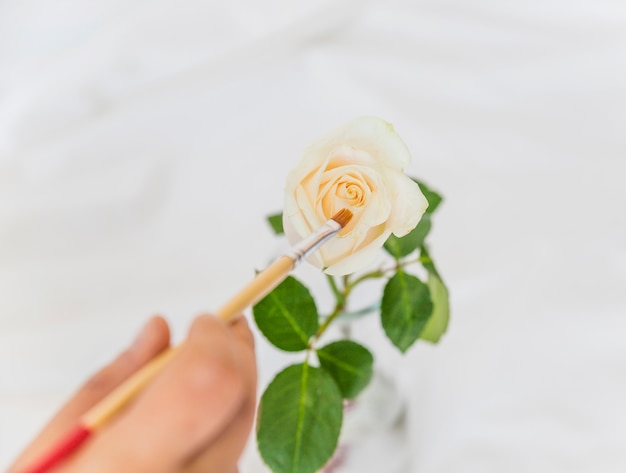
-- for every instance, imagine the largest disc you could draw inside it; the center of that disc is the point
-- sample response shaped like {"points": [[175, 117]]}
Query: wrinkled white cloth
{"points": [[142, 143]]}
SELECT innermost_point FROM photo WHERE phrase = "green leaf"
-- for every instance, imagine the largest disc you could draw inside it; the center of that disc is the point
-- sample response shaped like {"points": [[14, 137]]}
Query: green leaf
{"points": [[299, 420], [405, 309], [350, 365], [427, 261], [433, 198], [438, 322], [399, 247], [287, 316], [276, 222]]}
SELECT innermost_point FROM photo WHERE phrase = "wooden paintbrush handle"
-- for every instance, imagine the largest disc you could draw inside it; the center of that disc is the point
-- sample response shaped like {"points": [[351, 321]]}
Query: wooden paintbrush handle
{"points": [[262, 284], [102, 412], [256, 289], [98, 415]]}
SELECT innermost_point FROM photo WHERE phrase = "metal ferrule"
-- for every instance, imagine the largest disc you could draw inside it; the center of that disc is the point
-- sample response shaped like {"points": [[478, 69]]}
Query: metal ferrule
{"points": [[311, 243]]}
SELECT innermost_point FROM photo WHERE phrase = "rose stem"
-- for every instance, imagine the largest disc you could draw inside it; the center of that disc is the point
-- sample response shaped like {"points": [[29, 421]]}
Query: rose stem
{"points": [[342, 296]]}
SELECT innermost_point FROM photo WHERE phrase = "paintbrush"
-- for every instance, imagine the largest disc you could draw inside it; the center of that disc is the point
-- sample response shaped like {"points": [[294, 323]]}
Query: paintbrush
{"points": [[255, 290]]}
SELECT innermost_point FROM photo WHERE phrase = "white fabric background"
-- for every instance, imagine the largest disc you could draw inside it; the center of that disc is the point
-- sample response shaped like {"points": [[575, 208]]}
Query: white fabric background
{"points": [[141, 144]]}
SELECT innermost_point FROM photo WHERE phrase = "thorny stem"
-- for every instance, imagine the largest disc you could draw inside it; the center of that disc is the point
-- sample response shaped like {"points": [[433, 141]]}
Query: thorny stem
{"points": [[341, 295], [339, 307], [333, 285], [379, 273]]}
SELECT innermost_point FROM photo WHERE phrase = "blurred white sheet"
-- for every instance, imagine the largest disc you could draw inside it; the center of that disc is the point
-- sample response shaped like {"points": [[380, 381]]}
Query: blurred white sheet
{"points": [[132, 132]]}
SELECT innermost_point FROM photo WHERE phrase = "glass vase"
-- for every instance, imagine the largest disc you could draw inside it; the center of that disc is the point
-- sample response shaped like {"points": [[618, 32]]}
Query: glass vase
{"points": [[373, 435]]}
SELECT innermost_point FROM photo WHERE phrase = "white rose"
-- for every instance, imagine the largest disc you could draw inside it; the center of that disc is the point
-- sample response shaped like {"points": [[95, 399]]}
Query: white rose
{"points": [[358, 166]]}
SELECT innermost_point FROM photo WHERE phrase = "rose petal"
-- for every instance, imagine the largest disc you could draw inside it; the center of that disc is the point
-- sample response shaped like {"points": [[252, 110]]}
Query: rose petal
{"points": [[359, 260], [358, 166], [372, 134], [409, 205]]}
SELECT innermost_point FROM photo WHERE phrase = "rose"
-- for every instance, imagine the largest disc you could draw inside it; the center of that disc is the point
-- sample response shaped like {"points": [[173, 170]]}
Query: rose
{"points": [[358, 166]]}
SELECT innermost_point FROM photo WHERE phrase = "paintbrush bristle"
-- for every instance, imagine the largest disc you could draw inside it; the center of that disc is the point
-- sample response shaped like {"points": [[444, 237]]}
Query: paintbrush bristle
{"points": [[342, 217]]}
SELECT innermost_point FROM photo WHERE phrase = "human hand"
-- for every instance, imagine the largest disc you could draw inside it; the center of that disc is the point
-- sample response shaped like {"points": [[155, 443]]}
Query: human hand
{"points": [[194, 417]]}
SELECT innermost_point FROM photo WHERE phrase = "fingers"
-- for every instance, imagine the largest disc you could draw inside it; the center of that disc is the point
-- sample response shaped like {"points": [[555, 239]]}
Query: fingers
{"points": [[151, 340], [221, 453], [204, 398], [209, 378], [243, 334]]}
